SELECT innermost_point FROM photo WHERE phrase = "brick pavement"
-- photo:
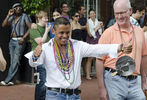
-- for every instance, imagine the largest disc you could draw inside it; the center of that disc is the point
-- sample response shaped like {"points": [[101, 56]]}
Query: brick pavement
{"points": [[26, 91]]}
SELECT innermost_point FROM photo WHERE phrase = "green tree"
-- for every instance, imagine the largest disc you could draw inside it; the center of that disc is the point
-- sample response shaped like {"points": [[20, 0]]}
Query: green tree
{"points": [[31, 7]]}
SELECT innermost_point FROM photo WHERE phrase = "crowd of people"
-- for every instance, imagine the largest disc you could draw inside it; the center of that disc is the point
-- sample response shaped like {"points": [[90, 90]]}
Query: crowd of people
{"points": [[64, 45]]}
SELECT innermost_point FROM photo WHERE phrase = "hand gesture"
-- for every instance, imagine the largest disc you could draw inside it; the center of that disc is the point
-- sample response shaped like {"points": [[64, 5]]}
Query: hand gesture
{"points": [[47, 27], [103, 95], [20, 42], [144, 87], [99, 25], [11, 12], [127, 47], [38, 50]]}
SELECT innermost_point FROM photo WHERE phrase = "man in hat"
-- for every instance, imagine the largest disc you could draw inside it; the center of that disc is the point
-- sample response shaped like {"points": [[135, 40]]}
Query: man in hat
{"points": [[117, 86], [20, 24]]}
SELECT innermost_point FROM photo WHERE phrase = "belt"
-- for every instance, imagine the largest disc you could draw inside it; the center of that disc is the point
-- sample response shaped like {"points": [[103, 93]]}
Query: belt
{"points": [[130, 77], [16, 38], [66, 91]]}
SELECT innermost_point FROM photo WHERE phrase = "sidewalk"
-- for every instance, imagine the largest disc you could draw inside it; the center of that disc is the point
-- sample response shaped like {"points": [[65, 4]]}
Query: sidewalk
{"points": [[26, 91]]}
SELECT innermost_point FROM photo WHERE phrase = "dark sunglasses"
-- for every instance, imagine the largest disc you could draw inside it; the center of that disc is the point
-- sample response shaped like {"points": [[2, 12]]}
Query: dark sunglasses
{"points": [[77, 16]]}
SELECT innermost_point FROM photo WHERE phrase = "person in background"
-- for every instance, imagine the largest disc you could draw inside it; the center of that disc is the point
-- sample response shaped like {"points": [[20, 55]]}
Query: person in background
{"points": [[145, 28], [83, 22], [62, 58], [56, 14], [95, 29], [143, 18], [39, 36], [138, 12], [3, 62], [20, 24], [76, 28], [64, 9], [112, 85]]}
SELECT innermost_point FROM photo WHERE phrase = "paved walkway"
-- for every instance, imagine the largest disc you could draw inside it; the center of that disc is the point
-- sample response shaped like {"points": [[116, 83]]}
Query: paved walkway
{"points": [[26, 91]]}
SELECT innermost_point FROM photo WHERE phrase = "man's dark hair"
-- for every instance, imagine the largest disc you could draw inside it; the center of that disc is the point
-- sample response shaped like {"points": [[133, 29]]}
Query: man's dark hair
{"points": [[61, 21], [139, 7], [63, 4], [79, 8]]}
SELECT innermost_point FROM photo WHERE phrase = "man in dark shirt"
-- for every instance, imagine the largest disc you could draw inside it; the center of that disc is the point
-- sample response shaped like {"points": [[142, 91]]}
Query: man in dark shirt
{"points": [[82, 21]]}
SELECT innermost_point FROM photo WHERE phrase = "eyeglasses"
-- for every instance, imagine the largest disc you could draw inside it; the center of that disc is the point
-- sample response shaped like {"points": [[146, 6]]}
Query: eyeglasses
{"points": [[77, 16], [17, 8], [120, 13]]}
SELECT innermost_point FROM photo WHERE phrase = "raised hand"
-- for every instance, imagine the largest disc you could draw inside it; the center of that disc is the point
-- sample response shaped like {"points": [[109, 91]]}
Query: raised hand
{"points": [[127, 47], [38, 50], [11, 12], [47, 27]]}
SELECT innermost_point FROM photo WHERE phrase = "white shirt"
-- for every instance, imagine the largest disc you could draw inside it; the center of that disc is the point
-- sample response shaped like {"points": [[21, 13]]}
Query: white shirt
{"points": [[54, 77], [92, 26], [134, 21]]}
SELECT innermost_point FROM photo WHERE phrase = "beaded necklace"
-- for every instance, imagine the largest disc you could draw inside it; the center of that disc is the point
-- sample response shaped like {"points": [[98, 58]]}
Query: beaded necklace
{"points": [[64, 63]]}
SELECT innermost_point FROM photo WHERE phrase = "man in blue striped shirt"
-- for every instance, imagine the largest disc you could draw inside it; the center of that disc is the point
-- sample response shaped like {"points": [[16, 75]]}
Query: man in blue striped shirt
{"points": [[20, 24]]}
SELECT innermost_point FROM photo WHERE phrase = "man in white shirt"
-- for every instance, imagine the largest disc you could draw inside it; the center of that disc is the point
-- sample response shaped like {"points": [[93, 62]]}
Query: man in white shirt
{"points": [[62, 57], [138, 12]]}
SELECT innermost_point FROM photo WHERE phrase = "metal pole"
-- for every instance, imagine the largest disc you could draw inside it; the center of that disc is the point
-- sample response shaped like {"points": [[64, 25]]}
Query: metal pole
{"points": [[97, 9], [87, 7]]}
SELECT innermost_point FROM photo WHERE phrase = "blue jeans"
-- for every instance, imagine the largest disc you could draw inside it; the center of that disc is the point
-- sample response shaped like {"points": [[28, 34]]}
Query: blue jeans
{"points": [[40, 89], [53, 95], [119, 88], [16, 51]]}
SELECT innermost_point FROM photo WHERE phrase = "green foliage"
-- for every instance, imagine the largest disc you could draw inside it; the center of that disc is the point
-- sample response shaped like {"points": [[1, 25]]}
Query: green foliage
{"points": [[31, 7]]}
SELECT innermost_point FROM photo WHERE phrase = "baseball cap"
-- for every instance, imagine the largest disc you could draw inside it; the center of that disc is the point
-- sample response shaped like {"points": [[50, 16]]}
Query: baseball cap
{"points": [[16, 4]]}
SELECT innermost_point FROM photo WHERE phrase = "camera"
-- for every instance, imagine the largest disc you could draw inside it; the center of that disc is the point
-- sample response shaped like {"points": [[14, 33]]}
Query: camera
{"points": [[36, 78]]}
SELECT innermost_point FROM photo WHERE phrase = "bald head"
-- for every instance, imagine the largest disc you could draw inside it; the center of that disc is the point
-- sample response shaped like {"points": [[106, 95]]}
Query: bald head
{"points": [[122, 12], [122, 3]]}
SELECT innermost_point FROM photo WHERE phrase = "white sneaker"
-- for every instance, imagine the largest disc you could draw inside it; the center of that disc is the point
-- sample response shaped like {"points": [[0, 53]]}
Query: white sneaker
{"points": [[3, 83], [10, 83]]}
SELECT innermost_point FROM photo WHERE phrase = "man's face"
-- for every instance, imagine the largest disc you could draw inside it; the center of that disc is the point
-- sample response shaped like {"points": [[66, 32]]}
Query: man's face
{"points": [[122, 14], [140, 14], [65, 8], [82, 10], [62, 33], [18, 9]]}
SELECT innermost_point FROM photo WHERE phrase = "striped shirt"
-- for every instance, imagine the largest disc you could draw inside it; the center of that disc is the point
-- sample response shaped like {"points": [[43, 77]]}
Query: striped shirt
{"points": [[20, 28]]}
